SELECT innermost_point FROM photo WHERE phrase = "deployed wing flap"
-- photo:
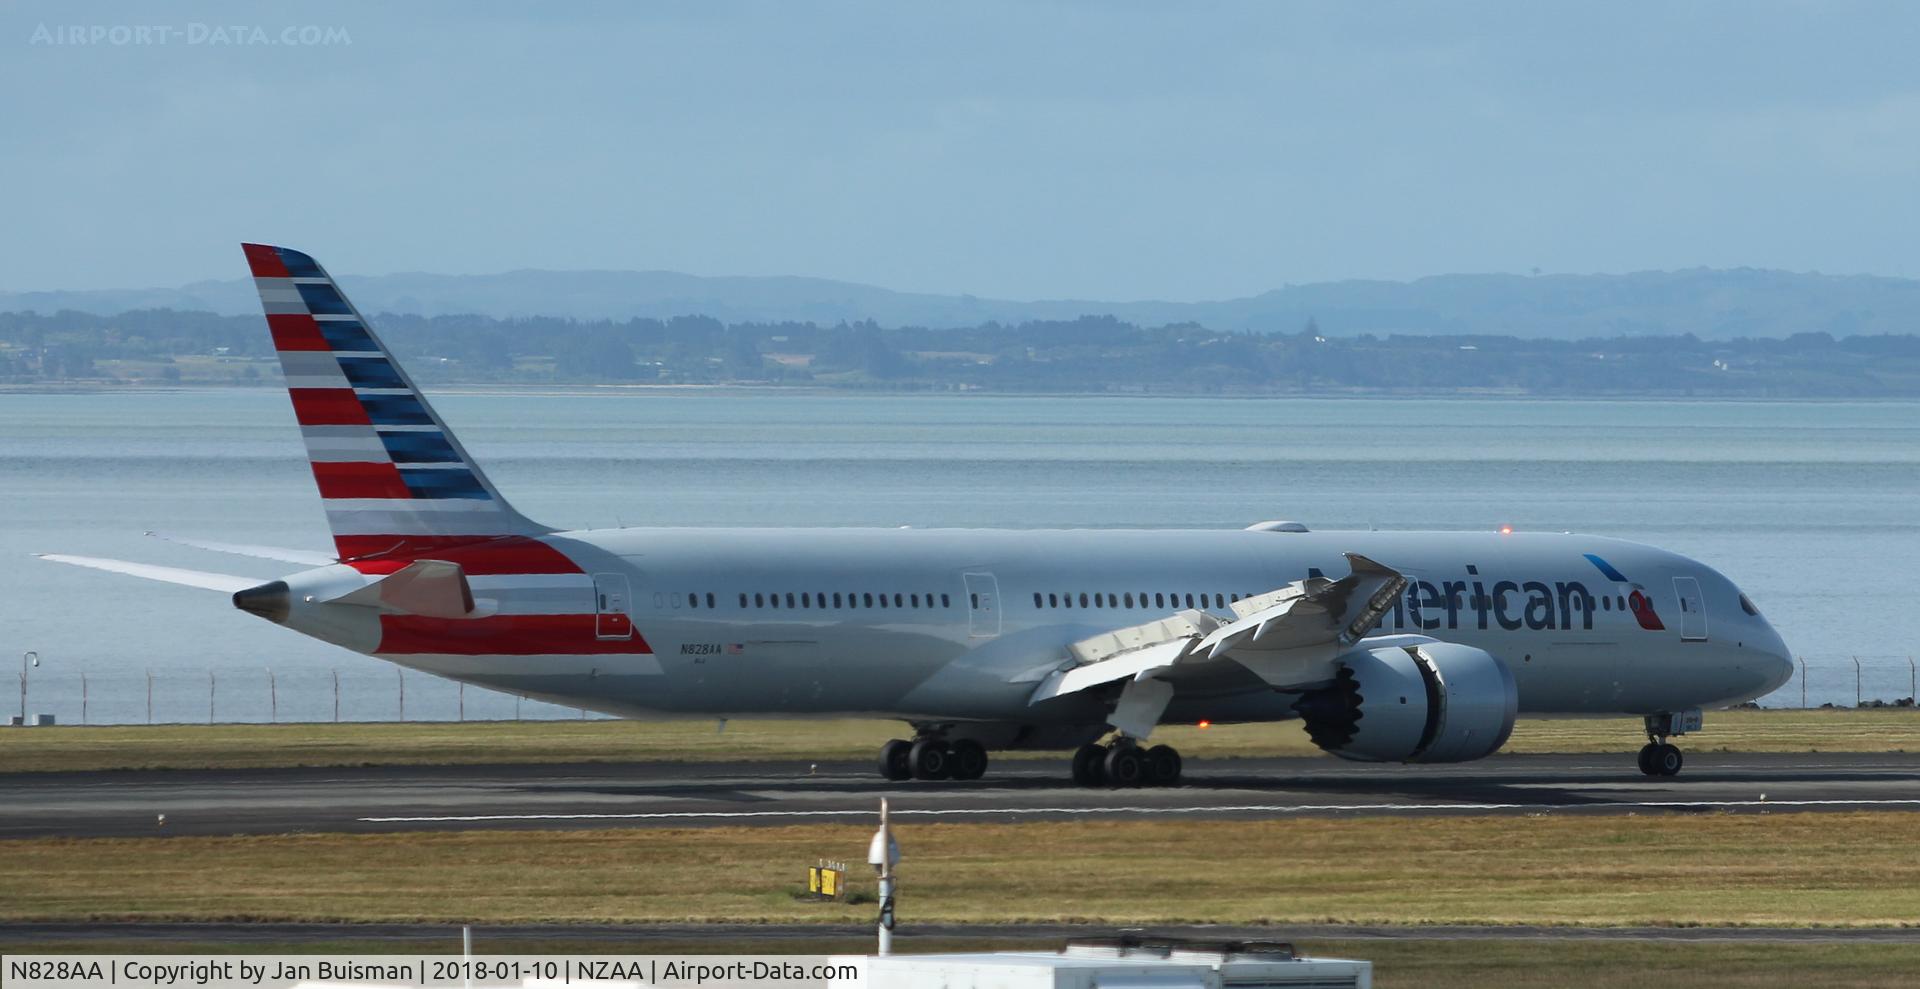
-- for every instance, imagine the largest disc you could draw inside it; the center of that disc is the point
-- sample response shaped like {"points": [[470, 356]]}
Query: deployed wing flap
{"points": [[1106, 645], [1311, 612], [1133, 664], [226, 583], [434, 588], [1285, 636]]}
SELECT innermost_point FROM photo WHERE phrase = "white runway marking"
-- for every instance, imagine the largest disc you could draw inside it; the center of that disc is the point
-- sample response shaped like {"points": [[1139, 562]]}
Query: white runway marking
{"points": [[1226, 809]]}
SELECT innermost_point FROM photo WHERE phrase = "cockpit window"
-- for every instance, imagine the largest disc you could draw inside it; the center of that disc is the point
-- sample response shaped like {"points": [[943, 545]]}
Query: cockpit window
{"points": [[1746, 605]]}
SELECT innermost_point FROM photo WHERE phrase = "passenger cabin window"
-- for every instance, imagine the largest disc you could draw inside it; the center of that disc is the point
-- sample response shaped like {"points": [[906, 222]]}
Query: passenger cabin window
{"points": [[945, 602], [867, 599]]}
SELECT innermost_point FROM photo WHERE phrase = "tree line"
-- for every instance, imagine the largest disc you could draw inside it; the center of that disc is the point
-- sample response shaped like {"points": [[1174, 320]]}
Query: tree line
{"points": [[1092, 354]]}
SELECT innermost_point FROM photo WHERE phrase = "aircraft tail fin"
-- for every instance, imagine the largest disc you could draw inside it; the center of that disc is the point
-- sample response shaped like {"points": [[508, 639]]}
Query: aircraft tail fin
{"points": [[394, 480]]}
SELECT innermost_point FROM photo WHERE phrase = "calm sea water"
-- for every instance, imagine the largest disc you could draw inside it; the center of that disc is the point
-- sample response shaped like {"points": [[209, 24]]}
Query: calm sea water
{"points": [[1810, 507]]}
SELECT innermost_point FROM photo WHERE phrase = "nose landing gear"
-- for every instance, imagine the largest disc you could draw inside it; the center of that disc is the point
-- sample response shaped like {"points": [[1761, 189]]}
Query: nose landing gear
{"points": [[1660, 757]]}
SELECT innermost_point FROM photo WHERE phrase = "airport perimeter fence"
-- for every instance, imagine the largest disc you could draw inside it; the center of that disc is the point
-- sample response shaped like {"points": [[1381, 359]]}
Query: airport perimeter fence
{"points": [[261, 695]]}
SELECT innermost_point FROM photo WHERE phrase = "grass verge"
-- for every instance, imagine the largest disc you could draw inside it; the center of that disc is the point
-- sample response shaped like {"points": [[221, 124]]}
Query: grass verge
{"points": [[1786, 870], [439, 743]]}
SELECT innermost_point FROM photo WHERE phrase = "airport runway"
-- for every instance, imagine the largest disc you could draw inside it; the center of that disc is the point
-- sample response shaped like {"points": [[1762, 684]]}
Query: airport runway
{"points": [[617, 938], [669, 794]]}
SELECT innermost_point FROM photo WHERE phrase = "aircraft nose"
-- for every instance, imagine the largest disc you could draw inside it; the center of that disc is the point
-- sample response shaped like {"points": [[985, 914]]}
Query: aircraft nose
{"points": [[1779, 663]]}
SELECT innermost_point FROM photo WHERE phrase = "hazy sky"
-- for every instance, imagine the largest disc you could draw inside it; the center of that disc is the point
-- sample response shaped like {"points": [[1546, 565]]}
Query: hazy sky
{"points": [[1028, 150]]}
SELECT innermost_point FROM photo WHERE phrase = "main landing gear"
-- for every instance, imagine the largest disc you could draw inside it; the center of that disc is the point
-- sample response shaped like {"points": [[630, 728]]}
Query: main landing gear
{"points": [[931, 758], [1125, 763], [1660, 757], [1120, 763]]}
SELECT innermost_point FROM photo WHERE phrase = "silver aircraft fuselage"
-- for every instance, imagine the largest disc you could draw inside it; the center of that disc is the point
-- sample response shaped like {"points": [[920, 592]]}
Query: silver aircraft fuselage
{"points": [[961, 624]]}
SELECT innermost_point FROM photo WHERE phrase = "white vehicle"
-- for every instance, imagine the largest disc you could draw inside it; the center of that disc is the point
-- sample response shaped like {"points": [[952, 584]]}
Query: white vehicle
{"points": [[1393, 646]]}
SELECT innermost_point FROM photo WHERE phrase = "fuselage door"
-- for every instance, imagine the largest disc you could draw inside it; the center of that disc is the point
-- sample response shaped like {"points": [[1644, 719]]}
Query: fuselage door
{"points": [[1693, 609], [983, 605], [611, 617]]}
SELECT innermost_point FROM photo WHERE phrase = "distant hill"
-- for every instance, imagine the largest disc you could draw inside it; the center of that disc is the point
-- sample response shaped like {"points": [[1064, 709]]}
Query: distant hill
{"points": [[1710, 303]]}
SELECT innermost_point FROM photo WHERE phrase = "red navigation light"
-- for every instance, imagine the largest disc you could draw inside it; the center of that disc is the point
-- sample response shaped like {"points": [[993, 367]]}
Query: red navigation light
{"points": [[1205, 723], [1506, 530]]}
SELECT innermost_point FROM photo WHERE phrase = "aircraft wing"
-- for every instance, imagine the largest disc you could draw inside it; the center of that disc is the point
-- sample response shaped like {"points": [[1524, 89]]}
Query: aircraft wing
{"points": [[1287, 637]]}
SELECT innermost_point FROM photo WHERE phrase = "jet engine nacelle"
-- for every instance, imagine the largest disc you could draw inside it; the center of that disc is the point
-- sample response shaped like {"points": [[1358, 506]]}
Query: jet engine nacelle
{"points": [[1431, 702]]}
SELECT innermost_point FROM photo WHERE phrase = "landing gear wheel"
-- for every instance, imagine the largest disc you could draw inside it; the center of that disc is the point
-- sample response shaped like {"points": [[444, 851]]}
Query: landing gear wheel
{"points": [[967, 759], [1087, 765], [895, 760], [1646, 759], [1668, 760], [1123, 766], [930, 759], [1161, 765]]}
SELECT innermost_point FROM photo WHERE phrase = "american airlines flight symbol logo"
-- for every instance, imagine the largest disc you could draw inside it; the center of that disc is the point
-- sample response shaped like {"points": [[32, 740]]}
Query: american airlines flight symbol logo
{"points": [[1638, 601]]}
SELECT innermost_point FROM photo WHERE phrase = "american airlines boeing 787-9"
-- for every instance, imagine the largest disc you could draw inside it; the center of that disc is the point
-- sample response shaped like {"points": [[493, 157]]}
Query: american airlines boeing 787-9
{"points": [[1392, 646]]}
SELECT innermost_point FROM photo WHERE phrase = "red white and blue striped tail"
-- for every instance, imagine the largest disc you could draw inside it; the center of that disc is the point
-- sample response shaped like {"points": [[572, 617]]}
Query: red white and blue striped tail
{"points": [[395, 482]]}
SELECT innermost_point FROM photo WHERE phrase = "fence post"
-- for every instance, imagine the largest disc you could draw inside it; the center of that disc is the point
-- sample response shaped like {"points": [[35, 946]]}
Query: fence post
{"points": [[1856, 681], [1913, 696], [1803, 683], [83, 697], [273, 698], [336, 697], [516, 707], [402, 674], [149, 697], [463, 700], [210, 689]]}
